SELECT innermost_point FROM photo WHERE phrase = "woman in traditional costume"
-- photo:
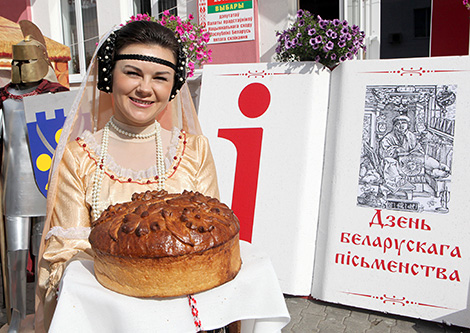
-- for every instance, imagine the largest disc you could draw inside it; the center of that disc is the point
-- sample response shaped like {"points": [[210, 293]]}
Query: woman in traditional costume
{"points": [[123, 139]]}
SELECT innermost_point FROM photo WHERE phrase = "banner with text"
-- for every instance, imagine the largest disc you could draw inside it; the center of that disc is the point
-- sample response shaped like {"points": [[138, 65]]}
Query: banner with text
{"points": [[394, 204], [227, 20]]}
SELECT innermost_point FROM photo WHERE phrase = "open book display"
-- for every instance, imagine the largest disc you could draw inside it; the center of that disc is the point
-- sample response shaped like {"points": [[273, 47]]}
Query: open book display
{"points": [[355, 182]]}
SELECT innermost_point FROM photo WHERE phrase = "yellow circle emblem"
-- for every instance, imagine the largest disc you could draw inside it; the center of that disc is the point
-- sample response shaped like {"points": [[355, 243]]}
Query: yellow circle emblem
{"points": [[57, 135], [43, 162]]}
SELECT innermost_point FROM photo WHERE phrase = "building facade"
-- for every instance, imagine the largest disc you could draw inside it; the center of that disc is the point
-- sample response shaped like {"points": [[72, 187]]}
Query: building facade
{"points": [[394, 28]]}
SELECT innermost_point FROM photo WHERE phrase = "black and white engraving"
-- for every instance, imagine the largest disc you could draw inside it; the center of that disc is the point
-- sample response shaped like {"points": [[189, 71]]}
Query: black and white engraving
{"points": [[407, 147]]}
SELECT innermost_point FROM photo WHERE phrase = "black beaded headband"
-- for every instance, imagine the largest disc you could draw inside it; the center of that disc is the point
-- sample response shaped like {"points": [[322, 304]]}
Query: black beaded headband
{"points": [[107, 58], [142, 57]]}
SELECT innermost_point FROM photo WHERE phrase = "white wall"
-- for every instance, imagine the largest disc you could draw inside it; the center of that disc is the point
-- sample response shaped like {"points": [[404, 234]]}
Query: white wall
{"points": [[274, 15], [46, 15], [111, 13]]}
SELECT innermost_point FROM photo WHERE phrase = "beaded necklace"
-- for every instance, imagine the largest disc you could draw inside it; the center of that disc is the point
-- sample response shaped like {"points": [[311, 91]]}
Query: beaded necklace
{"points": [[99, 173]]}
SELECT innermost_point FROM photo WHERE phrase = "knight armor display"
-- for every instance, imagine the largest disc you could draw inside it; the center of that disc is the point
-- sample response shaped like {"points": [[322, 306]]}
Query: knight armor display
{"points": [[24, 206]]}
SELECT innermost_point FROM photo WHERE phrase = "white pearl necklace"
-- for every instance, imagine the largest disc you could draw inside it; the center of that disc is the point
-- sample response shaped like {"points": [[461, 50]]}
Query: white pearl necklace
{"points": [[129, 134], [99, 173]]}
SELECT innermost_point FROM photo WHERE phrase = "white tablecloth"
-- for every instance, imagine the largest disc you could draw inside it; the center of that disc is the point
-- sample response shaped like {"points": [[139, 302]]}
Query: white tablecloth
{"points": [[254, 297]]}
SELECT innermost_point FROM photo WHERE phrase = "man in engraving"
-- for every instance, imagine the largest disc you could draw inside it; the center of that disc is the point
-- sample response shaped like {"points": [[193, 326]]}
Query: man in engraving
{"points": [[402, 155], [400, 141]]}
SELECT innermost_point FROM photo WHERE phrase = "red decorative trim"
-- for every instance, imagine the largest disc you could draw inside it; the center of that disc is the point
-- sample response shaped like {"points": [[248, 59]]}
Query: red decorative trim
{"points": [[395, 301], [129, 180], [255, 73], [412, 71], [182, 154], [194, 311]]}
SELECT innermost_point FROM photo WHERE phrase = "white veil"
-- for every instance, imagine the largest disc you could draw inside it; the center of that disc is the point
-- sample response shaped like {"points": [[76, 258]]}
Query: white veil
{"points": [[90, 111]]}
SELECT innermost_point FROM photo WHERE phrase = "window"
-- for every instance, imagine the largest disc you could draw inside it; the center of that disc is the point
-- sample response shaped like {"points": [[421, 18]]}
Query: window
{"points": [[167, 5], [142, 7], [80, 31]]}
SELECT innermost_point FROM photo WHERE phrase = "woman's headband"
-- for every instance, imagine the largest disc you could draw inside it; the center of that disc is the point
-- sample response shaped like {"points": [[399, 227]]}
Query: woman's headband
{"points": [[107, 58], [142, 57]]}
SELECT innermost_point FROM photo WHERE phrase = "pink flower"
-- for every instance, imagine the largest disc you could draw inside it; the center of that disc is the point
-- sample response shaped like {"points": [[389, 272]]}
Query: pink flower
{"points": [[166, 13], [190, 16]]}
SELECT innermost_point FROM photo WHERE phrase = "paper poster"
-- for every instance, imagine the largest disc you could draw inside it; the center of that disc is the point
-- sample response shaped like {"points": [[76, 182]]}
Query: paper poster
{"points": [[393, 229], [227, 20], [266, 127]]}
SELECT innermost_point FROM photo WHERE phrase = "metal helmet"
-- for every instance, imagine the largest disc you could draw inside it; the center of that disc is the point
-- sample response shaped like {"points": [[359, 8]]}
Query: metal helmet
{"points": [[30, 61]]}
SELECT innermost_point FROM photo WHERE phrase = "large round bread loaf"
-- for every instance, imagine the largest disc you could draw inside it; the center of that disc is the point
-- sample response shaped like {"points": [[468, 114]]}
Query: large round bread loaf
{"points": [[162, 245]]}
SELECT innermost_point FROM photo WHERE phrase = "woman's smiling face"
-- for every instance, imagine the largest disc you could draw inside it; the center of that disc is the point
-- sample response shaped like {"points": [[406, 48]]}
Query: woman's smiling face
{"points": [[141, 89]]}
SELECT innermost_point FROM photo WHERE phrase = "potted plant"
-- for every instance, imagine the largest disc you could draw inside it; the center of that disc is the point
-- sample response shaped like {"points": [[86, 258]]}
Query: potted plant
{"points": [[311, 38]]}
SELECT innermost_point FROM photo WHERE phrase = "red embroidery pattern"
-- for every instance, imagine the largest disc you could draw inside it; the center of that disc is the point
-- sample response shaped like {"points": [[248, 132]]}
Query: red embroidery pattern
{"points": [[193, 305], [397, 301], [130, 180], [255, 73], [415, 71]]}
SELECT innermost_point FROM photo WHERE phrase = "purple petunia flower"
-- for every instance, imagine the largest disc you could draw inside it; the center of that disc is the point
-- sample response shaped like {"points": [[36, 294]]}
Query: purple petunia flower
{"points": [[342, 59], [311, 32], [333, 56], [344, 23], [329, 46], [300, 13], [315, 46], [345, 30], [317, 58], [349, 55], [312, 41], [288, 44], [341, 43], [318, 39], [301, 23]]}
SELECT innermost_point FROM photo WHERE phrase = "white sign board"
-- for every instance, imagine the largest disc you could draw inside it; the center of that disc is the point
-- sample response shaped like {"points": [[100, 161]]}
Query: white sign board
{"points": [[266, 126], [396, 187]]}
